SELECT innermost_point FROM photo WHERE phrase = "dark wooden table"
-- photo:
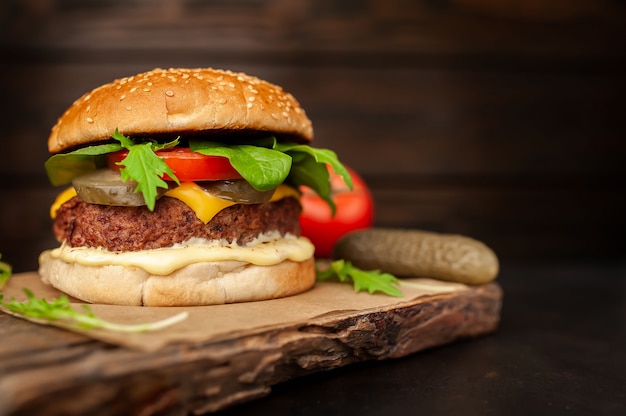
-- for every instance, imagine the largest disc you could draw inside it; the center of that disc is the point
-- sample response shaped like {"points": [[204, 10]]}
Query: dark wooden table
{"points": [[560, 350]]}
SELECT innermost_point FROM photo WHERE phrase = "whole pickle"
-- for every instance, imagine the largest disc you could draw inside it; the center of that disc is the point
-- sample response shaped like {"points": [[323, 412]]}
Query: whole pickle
{"points": [[415, 253]]}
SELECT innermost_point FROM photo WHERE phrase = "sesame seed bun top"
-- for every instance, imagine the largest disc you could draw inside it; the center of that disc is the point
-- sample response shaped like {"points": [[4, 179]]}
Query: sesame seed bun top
{"points": [[180, 101]]}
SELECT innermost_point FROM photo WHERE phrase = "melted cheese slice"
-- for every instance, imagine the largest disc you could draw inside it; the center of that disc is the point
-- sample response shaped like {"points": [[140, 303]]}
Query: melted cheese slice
{"points": [[206, 205], [267, 250]]}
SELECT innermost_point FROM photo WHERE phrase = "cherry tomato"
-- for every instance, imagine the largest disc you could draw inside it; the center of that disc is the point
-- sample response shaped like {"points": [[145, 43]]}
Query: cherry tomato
{"points": [[355, 210], [187, 165]]}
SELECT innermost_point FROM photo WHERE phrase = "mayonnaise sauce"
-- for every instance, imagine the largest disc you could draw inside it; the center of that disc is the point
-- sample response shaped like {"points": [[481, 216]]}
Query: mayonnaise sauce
{"points": [[264, 251]]}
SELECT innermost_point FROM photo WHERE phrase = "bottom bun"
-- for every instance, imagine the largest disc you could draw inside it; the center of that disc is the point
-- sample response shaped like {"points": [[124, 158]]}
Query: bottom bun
{"points": [[205, 283]]}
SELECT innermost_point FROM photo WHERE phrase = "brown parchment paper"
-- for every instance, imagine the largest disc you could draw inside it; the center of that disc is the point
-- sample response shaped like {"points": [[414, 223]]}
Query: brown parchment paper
{"points": [[216, 322]]}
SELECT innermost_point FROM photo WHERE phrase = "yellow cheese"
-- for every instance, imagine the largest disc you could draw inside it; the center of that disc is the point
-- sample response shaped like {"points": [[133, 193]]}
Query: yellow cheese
{"points": [[206, 206], [265, 251], [61, 199], [283, 191]]}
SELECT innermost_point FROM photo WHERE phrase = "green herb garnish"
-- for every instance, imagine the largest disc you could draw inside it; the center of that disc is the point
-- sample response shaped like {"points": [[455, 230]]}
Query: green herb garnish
{"points": [[371, 280], [143, 166], [60, 310], [5, 272]]}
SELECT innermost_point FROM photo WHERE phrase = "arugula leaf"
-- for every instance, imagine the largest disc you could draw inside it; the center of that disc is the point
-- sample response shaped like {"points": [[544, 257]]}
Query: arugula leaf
{"points": [[62, 167], [60, 310], [5, 272], [371, 280], [261, 167], [143, 166]]}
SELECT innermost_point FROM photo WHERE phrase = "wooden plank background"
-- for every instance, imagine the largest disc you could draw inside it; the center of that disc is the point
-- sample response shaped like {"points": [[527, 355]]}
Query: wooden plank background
{"points": [[498, 119]]}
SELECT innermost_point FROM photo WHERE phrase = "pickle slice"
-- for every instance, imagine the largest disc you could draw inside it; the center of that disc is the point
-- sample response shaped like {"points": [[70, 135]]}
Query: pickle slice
{"points": [[105, 187], [238, 191]]}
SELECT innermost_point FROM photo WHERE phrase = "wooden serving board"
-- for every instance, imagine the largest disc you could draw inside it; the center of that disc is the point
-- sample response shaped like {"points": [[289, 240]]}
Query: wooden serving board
{"points": [[52, 370]]}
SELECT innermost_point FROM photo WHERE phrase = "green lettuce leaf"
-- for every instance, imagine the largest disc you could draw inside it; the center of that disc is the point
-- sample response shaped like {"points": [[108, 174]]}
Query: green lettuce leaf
{"points": [[266, 164], [63, 167], [310, 169], [261, 167]]}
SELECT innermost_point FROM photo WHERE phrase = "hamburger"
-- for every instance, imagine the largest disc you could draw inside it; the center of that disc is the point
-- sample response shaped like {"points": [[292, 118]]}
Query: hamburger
{"points": [[182, 188]]}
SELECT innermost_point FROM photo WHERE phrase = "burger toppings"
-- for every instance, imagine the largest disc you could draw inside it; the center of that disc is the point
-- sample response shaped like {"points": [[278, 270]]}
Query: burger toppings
{"points": [[151, 168]]}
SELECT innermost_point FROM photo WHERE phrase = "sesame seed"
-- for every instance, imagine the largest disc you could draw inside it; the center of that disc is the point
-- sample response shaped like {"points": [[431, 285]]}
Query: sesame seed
{"points": [[133, 89], [122, 97], [128, 107], [88, 108], [146, 90], [249, 105], [149, 84], [89, 120], [274, 116], [169, 93], [223, 101], [251, 99]]}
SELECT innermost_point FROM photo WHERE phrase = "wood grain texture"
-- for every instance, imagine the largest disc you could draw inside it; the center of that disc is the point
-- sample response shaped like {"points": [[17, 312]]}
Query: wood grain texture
{"points": [[497, 119], [62, 373]]}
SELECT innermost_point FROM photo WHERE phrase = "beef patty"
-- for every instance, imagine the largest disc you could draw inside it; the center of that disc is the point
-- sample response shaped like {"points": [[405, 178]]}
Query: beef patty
{"points": [[115, 228]]}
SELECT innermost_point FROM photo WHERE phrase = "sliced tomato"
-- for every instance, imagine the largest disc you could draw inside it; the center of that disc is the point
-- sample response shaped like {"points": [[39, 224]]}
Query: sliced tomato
{"points": [[355, 210], [187, 165]]}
